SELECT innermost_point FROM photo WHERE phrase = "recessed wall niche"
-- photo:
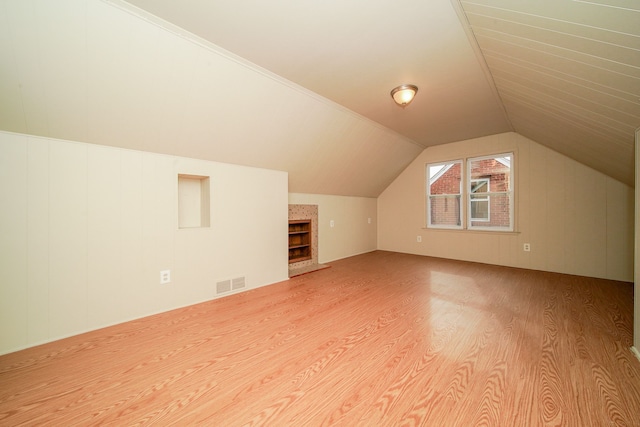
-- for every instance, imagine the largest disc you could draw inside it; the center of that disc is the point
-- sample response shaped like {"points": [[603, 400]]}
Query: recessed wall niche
{"points": [[193, 201]]}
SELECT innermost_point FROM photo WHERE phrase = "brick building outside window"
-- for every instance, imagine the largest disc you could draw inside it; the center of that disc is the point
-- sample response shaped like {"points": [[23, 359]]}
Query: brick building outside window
{"points": [[488, 192]]}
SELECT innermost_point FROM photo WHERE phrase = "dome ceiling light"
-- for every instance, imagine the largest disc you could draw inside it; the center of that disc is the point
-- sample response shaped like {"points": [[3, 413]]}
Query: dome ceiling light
{"points": [[404, 94]]}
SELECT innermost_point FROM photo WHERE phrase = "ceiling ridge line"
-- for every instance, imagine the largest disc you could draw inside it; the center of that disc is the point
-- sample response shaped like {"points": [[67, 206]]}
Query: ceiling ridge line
{"points": [[475, 47]]}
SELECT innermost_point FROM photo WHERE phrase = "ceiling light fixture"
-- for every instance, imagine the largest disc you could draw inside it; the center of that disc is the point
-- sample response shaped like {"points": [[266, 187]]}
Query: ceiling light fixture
{"points": [[403, 94]]}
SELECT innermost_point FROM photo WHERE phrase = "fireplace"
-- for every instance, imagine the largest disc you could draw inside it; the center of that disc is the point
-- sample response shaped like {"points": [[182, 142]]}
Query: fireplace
{"points": [[303, 239]]}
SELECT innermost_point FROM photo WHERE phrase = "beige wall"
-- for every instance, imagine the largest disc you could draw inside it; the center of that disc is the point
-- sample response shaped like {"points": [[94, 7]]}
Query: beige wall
{"points": [[352, 232], [577, 220], [86, 230]]}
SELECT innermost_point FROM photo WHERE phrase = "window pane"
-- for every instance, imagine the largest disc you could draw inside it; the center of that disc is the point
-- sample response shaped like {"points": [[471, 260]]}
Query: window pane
{"points": [[480, 185], [444, 192], [445, 211], [480, 209], [496, 171], [496, 208], [445, 179]]}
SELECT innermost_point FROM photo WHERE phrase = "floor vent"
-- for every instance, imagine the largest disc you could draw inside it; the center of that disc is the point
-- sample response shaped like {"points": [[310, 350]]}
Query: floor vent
{"points": [[223, 286], [238, 283]]}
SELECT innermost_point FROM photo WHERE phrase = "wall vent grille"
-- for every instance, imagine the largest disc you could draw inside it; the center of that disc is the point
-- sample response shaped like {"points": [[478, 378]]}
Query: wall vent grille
{"points": [[238, 283], [223, 286]]}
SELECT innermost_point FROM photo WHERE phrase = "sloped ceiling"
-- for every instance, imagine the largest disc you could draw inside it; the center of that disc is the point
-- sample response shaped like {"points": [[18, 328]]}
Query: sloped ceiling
{"points": [[303, 86], [568, 73], [354, 52]]}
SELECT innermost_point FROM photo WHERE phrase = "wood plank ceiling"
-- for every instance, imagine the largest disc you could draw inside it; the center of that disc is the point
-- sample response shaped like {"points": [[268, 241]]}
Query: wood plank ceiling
{"points": [[568, 74]]}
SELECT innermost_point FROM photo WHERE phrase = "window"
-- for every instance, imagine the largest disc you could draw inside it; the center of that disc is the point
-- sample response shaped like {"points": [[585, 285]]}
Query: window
{"points": [[490, 194], [444, 194], [487, 191]]}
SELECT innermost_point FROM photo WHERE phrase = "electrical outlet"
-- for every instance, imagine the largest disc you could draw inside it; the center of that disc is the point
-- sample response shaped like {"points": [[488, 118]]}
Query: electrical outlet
{"points": [[419, 239], [165, 277], [331, 223], [527, 247], [368, 220]]}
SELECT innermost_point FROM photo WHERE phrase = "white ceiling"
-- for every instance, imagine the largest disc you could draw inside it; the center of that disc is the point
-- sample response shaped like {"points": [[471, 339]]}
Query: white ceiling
{"points": [[303, 86], [566, 71], [354, 52]]}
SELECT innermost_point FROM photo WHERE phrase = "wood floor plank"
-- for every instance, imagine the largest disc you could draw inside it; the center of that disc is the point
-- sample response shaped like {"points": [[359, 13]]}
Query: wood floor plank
{"points": [[380, 339]]}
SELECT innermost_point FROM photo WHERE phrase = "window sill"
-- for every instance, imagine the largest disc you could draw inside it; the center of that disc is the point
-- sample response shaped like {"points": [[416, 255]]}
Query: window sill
{"points": [[474, 231]]}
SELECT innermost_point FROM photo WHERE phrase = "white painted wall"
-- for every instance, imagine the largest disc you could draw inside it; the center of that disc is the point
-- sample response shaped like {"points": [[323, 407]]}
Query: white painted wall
{"points": [[577, 220], [86, 230], [352, 233]]}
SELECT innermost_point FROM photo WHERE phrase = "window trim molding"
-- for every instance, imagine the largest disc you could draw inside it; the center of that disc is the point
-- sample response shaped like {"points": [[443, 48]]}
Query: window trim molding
{"points": [[465, 194]]}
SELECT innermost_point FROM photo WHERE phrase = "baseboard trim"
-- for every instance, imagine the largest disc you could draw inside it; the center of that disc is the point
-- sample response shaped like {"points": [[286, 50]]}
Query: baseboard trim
{"points": [[635, 352]]}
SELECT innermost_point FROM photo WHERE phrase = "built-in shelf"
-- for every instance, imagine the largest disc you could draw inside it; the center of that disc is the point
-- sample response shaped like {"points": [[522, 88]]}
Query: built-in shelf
{"points": [[299, 240]]}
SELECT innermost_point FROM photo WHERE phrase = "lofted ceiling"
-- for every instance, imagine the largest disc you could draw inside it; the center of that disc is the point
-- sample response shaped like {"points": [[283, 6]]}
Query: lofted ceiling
{"points": [[355, 52], [303, 86], [567, 72]]}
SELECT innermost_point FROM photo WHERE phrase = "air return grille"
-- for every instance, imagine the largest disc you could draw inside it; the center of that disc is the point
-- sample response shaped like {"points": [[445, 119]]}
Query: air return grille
{"points": [[224, 286], [237, 283], [230, 285]]}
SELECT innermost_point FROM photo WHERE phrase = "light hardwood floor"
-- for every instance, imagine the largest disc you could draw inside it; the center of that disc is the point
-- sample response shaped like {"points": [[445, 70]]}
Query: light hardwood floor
{"points": [[380, 339]]}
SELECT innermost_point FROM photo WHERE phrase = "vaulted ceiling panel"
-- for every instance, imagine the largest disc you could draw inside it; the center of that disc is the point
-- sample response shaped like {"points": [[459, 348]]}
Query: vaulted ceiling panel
{"points": [[354, 52], [85, 70], [589, 95], [577, 110], [551, 27], [568, 73], [585, 146], [574, 65]]}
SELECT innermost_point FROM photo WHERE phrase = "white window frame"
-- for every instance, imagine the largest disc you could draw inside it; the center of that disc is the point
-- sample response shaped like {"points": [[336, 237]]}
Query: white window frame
{"points": [[509, 193], [431, 179]]}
